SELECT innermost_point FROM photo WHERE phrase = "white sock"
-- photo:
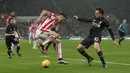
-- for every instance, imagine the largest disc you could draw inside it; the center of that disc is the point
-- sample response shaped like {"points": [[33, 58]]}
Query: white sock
{"points": [[50, 38], [29, 40], [34, 44], [12, 47], [59, 50]]}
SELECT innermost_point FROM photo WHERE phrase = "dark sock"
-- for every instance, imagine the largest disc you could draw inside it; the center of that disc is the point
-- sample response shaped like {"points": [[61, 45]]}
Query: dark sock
{"points": [[42, 47], [100, 54], [8, 52], [83, 52], [18, 49], [48, 45], [54, 45], [121, 41]]}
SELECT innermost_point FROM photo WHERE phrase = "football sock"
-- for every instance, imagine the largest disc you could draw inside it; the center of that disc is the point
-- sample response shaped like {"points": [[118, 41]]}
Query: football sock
{"points": [[121, 41], [8, 52], [48, 45], [59, 50], [100, 54], [54, 45], [18, 49], [83, 52]]}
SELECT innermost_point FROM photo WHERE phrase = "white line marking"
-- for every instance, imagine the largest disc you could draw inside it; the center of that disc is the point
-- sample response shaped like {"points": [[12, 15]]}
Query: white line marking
{"points": [[114, 63]]}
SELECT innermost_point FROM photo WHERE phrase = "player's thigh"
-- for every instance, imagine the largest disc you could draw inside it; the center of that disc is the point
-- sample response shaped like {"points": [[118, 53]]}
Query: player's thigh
{"points": [[43, 35], [53, 33], [8, 44], [56, 40], [97, 41]]}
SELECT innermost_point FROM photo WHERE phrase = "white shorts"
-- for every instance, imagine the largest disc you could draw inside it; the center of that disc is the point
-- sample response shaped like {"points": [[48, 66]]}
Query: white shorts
{"points": [[44, 35]]}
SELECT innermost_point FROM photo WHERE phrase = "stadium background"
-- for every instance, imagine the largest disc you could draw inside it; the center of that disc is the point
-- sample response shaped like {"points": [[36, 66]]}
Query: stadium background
{"points": [[28, 10]]}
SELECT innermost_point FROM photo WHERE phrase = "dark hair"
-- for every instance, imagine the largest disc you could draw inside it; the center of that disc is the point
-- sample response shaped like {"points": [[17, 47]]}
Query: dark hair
{"points": [[63, 14], [100, 10]]}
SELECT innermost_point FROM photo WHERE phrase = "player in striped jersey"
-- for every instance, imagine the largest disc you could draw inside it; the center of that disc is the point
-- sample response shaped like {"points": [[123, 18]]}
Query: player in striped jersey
{"points": [[45, 33], [32, 32]]}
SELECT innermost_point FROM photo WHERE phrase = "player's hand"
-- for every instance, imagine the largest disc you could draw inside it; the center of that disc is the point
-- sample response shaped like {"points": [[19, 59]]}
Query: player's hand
{"points": [[75, 17], [115, 43]]}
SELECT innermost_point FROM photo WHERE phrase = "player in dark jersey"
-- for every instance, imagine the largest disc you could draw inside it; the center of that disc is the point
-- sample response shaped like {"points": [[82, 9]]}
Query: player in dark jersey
{"points": [[94, 37], [10, 37], [122, 31]]}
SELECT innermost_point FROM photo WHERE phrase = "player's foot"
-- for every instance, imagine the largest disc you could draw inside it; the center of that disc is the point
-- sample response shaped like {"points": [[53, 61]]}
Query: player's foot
{"points": [[19, 54], [104, 66], [90, 61], [9, 57], [62, 61], [41, 47]]}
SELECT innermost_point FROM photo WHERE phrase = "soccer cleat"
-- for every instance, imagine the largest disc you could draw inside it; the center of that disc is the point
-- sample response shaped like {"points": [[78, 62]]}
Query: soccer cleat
{"points": [[104, 66], [42, 49], [9, 57], [90, 61], [61, 61], [19, 54]]}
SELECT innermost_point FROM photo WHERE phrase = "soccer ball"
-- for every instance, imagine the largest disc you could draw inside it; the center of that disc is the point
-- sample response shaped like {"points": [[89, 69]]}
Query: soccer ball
{"points": [[45, 63]]}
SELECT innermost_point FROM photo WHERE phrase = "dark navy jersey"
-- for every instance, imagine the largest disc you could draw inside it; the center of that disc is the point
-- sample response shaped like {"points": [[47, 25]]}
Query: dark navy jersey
{"points": [[98, 26], [11, 28]]}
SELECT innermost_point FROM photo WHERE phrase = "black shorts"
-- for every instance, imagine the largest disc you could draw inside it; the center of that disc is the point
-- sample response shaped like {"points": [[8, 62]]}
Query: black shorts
{"points": [[87, 42], [121, 34], [9, 40]]}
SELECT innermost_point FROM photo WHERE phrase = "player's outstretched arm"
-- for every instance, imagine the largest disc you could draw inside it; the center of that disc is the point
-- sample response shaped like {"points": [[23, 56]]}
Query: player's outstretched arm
{"points": [[111, 33], [43, 13], [82, 19]]}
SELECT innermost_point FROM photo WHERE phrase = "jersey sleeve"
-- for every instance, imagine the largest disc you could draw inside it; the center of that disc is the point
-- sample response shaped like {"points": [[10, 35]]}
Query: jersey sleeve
{"points": [[109, 29], [85, 20]]}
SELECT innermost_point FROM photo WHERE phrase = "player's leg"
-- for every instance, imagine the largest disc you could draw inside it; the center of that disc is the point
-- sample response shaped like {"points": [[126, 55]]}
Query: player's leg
{"points": [[48, 45], [8, 44], [16, 42], [86, 43], [48, 36], [59, 51], [12, 48], [99, 52], [30, 38], [34, 42], [122, 37]]}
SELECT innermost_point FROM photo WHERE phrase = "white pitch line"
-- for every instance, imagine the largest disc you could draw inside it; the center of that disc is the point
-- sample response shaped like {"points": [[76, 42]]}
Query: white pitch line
{"points": [[126, 64], [114, 63]]}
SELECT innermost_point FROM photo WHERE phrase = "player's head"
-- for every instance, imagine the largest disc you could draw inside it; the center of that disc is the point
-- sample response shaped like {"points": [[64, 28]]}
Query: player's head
{"points": [[61, 17], [99, 13], [124, 21], [12, 14], [12, 21]]}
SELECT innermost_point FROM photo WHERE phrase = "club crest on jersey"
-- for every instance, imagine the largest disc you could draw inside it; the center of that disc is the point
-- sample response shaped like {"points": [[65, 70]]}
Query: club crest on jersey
{"points": [[96, 24]]}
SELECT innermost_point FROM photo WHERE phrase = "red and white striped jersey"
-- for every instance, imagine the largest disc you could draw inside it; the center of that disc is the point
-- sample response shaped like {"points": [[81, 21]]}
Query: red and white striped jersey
{"points": [[48, 23]]}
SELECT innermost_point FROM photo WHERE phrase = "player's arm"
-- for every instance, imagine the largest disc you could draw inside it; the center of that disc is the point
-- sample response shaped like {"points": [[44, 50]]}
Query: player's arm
{"points": [[82, 19], [111, 32], [43, 13]]}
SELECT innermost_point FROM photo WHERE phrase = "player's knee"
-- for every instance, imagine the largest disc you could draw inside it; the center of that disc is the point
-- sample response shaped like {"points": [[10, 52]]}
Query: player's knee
{"points": [[80, 47], [18, 45]]}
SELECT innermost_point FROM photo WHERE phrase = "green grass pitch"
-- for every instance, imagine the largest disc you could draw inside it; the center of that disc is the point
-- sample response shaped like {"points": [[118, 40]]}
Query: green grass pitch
{"points": [[117, 58]]}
